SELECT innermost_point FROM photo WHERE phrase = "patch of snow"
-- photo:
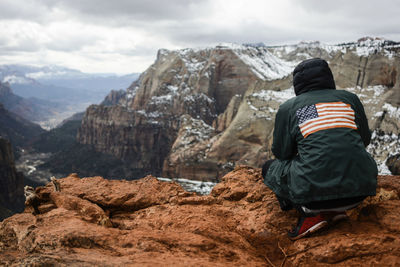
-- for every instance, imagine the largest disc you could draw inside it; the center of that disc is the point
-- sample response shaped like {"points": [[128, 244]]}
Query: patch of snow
{"points": [[251, 106], [141, 112], [203, 188], [382, 146], [131, 93], [263, 63], [31, 169], [368, 46], [364, 51], [301, 50], [153, 114], [377, 89], [189, 98], [162, 99], [172, 88], [193, 63], [370, 94], [153, 122], [195, 130], [195, 97], [383, 168], [392, 111], [271, 95]]}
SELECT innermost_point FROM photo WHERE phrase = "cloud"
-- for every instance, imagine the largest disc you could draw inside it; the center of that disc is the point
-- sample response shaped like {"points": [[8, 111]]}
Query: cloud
{"points": [[252, 32], [122, 12], [349, 18], [359, 9], [124, 35], [23, 9]]}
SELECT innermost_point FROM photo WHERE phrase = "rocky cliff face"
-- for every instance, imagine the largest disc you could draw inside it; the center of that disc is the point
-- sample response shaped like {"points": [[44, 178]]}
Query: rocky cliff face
{"points": [[145, 124], [196, 113], [113, 97], [11, 182], [98, 222]]}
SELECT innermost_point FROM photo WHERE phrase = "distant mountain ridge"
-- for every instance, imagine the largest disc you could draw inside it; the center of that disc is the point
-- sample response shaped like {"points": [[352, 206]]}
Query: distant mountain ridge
{"points": [[32, 109], [19, 74], [68, 89]]}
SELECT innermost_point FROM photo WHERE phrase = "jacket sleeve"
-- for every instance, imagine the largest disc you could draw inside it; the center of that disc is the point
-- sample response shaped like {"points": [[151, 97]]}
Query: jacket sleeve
{"points": [[284, 145], [362, 121]]}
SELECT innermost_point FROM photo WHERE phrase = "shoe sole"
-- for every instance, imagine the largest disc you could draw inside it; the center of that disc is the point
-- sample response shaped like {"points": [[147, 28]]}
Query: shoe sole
{"points": [[313, 229]]}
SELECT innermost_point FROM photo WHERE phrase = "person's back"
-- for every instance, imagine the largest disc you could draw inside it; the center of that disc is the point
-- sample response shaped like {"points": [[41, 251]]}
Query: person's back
{"points": [[319, 142]]}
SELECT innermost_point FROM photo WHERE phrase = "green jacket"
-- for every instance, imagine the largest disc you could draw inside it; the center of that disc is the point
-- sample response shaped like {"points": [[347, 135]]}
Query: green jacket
{"points": [[319, 142]]}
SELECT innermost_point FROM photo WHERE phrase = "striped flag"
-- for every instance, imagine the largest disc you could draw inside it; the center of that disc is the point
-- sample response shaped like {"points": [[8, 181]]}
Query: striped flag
{"points": [[324, 116]]}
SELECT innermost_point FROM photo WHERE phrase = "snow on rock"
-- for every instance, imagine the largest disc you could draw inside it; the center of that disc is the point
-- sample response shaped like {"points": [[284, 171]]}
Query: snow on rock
{"points": [[306, 50], [194, 63], [368, 95], [131, 92], [271, 95], [263, 63], [265, 103], [367, 46], [195, 97], [382, 146], [194, 130], [162, 99], [201, 187], [392, 111], [362, 48], [329, 48], [154, 114]]}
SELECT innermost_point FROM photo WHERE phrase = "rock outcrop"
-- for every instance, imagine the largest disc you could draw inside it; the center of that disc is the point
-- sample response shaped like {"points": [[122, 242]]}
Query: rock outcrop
{"points": [[113, 97], [146, 123], [393, 163], [11, 182], [98, 222], [231, 94]]}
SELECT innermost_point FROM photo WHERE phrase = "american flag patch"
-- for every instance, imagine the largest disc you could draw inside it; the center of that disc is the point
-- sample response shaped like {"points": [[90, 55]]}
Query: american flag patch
{"points": [[324, 116]]}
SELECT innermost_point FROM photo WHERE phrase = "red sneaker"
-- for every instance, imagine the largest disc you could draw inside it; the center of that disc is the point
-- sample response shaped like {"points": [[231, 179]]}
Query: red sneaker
{"points": [[307, 225]]}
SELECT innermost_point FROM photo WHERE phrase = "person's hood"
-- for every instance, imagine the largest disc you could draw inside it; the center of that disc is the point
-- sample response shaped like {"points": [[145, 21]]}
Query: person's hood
{"points": [[312, 74]]}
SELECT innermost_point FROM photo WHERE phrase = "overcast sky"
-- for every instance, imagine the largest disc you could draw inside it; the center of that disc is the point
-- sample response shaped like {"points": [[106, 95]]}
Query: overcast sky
{"points": [[123, 36]]}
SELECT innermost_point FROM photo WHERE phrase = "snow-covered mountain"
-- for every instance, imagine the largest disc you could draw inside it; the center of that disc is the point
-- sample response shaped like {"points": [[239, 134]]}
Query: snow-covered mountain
{"points": [[202, 111], [198, 113]]}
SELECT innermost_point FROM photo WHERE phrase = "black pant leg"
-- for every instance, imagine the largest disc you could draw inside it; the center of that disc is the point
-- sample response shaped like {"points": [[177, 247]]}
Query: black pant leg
{"points": [[266, 166], [285, 203]]}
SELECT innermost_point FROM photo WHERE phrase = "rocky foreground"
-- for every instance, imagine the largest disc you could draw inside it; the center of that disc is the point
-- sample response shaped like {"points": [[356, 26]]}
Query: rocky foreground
{"points": [[98, 222]]}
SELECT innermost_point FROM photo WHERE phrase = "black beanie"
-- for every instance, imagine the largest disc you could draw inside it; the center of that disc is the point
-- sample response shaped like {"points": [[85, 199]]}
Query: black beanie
{"points": [[312, 74]]}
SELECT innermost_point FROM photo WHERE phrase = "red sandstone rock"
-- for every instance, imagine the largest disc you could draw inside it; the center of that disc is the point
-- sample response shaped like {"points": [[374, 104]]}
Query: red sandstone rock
{"points": [[157, 223]]}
